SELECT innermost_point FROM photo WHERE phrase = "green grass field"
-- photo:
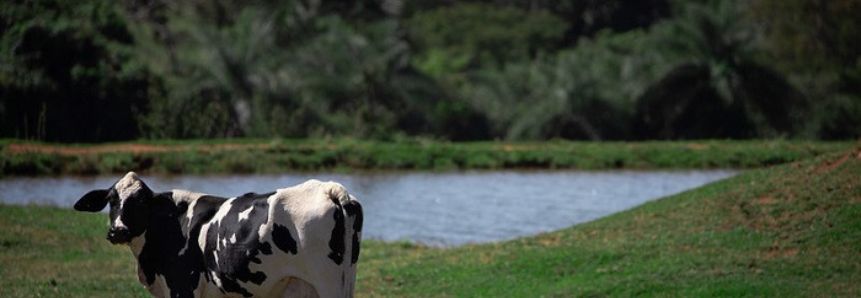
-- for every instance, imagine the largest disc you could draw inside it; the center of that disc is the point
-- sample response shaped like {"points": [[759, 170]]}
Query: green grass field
{"points": [[792, 230], [788, 231], [278, 156]]}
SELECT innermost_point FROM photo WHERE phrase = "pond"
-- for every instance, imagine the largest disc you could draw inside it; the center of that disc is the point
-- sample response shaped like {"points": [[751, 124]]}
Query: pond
{"points": [[441, 209]]}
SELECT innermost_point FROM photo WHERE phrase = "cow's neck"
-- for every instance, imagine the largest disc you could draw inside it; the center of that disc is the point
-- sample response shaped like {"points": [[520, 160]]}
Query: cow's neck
{"points": [[162, 250], [137, 244], [176, 222], [166, 209]]}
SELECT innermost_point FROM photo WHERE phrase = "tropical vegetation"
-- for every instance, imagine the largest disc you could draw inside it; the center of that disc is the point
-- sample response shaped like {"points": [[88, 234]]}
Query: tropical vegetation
{"points": [[98, 70]]}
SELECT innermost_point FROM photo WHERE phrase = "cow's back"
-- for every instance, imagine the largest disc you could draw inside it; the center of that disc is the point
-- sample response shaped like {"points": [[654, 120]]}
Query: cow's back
{"points": [[289, 240]]}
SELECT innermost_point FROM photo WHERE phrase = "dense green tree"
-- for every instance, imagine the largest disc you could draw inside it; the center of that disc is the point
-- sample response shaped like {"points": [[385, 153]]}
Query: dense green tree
{"points": [[581, 18], [306, 69], [223, 67], [98, 70], [361, 84], [816, 41], [716, 67], [586, 18], [452, 39], [67, 72], [553, 98]]}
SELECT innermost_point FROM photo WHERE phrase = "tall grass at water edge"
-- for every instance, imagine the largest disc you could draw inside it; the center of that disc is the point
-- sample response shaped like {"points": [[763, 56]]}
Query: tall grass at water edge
{"points": [[278, 156]]}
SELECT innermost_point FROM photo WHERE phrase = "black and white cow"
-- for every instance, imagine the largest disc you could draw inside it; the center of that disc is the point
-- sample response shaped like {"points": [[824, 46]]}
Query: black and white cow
{"points": [[301, 241]]}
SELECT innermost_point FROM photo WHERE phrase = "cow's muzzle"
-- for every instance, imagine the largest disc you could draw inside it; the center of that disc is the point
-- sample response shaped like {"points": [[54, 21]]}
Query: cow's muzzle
{"points": [[119, 235]]}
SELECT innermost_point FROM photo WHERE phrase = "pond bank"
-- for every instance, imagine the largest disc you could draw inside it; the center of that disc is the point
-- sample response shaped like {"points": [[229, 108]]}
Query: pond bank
{"points": [[280, 156]]}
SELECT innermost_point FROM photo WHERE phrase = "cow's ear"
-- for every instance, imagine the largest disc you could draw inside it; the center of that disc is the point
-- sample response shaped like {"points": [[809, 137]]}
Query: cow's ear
{"points": [[93, 201]]}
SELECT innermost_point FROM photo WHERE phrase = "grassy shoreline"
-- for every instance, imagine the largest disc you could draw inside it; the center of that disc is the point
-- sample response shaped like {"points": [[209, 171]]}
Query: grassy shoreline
{"points": [[278, 156], [785, 231]]}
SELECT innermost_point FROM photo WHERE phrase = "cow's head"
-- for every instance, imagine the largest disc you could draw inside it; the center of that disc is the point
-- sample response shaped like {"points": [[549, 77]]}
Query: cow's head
{"points": [[130, 211]]}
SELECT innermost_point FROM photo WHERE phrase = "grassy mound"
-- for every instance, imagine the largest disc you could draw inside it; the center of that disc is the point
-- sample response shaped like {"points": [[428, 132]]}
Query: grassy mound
{"points": [[787, 231]]}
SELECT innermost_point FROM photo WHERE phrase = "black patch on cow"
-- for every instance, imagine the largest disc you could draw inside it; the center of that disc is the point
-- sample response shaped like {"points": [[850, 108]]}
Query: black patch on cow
{"points": [[336, 241], [283, 240], [232, 265], [354, 212], [165, 238], [265, 248], [204, 209]]}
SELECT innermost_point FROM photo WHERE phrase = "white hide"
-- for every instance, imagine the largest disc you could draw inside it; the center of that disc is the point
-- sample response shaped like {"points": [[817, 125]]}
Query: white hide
{"points": [[127, 186]]}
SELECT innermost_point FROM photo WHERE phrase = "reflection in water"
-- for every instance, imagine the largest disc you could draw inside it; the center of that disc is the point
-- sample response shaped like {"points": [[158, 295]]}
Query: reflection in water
{"points": [[433, 208]]}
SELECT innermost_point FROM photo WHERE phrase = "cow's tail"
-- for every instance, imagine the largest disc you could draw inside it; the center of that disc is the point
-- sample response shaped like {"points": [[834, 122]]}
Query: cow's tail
{"points": [[353, 220]]}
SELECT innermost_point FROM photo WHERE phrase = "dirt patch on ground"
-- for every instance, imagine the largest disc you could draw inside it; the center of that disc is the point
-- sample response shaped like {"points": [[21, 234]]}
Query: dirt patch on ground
{"points": [[779, 252], [696, 146], [832, 164], [124, 148], [509, 147], [766, 201]]}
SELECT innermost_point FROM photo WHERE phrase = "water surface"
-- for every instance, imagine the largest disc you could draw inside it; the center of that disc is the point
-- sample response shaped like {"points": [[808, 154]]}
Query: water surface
{"points": [[448, 209]]}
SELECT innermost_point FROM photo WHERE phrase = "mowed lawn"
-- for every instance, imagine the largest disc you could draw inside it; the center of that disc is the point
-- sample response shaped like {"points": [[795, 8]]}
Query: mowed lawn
{"points": [[792, 230]]}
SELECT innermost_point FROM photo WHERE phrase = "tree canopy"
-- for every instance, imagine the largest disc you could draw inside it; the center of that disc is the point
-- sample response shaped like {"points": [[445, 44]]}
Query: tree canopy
{"points": [[97, 70]]}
